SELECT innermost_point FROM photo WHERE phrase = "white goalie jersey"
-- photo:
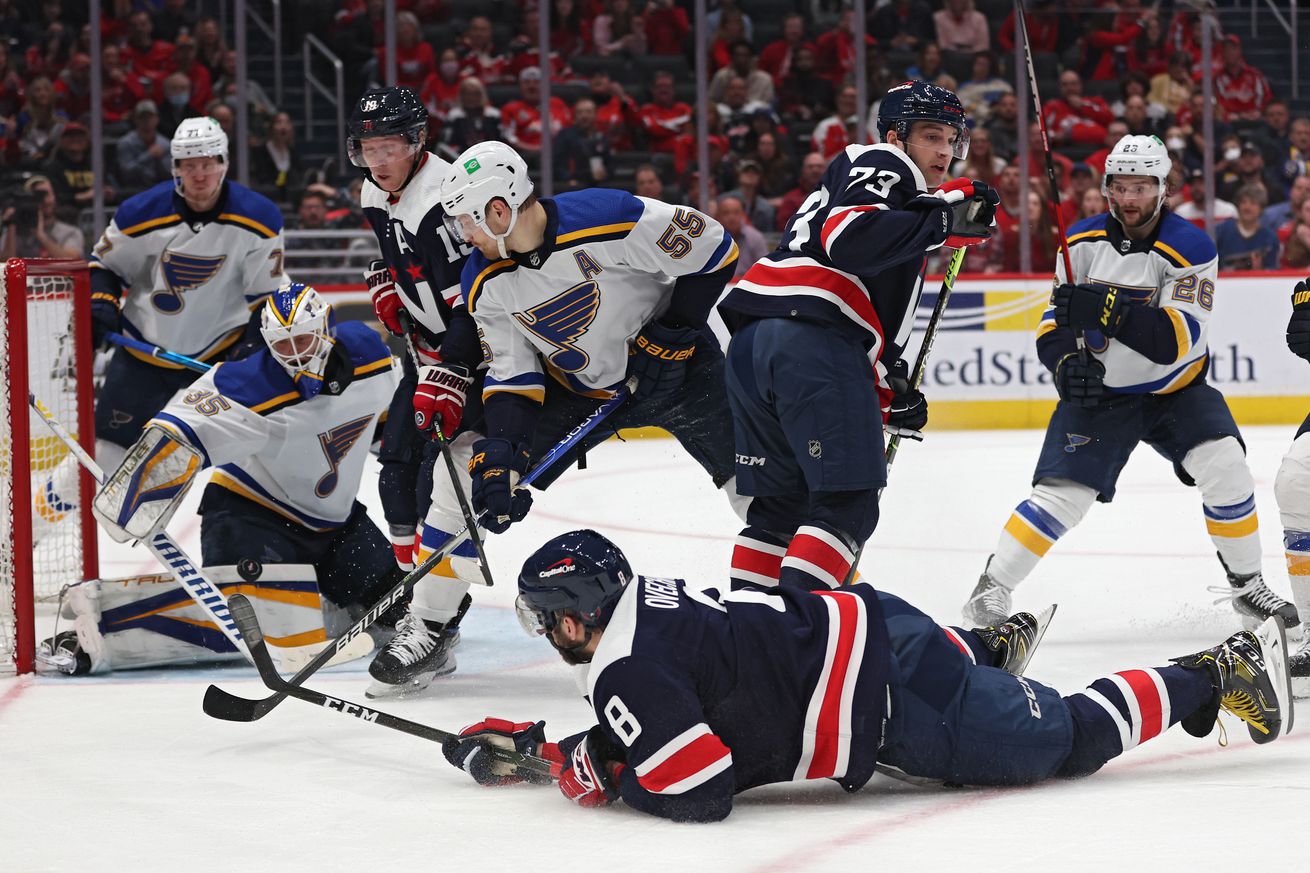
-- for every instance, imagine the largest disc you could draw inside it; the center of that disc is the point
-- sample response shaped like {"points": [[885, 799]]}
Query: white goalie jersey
{"points": [[184, 282], [1173, 272], [302, 459], [572, 307]]}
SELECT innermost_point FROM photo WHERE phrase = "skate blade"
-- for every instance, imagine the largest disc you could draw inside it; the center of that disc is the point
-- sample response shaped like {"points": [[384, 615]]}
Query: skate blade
{"points": [[1273, 641], [414, 687], [1043, 620]]}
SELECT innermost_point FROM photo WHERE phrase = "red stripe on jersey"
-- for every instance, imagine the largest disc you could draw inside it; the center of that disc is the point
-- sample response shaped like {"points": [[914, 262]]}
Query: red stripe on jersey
{"points": [[959, 643], [1148, 702], [704, 751], [813, 550], [827, 734], [837, 216], [779, 275], [755, 561]]}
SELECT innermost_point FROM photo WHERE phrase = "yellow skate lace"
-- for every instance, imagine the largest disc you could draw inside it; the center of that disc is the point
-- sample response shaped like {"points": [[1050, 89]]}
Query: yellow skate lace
{"points": [[1240, 704]]}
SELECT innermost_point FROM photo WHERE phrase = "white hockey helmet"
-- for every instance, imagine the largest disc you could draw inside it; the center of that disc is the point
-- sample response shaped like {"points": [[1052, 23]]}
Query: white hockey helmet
{"points": [[197, 138], [1137, 155], [298, 325], [482, 173]]}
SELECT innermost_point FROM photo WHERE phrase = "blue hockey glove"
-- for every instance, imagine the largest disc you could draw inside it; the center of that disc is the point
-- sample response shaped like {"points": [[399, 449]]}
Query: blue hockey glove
{"points": [[469, 751], [1298, 328], [1084, 307], [1080, 382], [496, 468], [909, 408], [659, 358], [105, 318]]}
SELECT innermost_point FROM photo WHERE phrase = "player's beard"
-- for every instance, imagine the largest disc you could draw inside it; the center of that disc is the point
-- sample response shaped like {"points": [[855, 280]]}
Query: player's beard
{"points": [[572, 654]]}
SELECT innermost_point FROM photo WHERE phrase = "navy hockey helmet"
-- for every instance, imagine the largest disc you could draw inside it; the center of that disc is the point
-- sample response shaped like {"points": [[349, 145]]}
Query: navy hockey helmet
{"points": [[386, 112], [581, 573], [909, 102]]}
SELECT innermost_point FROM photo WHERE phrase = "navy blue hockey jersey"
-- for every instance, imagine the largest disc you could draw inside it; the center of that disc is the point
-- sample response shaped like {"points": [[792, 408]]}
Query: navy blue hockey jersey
{"points": [[713, 692], [852, 256]]}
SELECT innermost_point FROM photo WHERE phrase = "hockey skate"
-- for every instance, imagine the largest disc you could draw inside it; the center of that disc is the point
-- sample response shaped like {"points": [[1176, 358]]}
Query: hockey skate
{"points": [[75, 652], [418, 653], [1251, 680], [1254, 600], [989, 605], [1015, 639], [1299, 666]]}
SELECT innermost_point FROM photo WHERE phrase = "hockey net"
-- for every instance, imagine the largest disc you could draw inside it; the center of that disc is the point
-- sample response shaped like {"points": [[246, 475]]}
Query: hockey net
{"points": [[47, 534]]}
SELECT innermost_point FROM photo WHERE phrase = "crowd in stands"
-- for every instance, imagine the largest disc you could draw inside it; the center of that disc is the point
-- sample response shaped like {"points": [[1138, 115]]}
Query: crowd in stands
{"points": [[622, 111]]}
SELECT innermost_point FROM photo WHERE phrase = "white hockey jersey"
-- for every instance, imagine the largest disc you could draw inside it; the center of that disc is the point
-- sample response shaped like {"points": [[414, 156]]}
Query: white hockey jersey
{"points": [[191, 281], [1173, 272], [572, 307], [303, 459], [425, 260]]}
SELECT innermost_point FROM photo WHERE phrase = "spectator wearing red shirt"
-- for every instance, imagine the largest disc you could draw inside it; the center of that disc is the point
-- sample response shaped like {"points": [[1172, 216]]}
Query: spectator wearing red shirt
{"points": [[148, 58], [759, 84], [415, 60], [569, 34], [440, 91], [961, 28], [478, 54], [1074, 118], [619, 29], [667, 27], [49, 53], [837, 131], [617, 114], [73, 89], [120, 92], [1151, 53], [211, 48], [1181, 35], [520, 119], [184, 61], [1240, 88], [1108, 44], [812, 168], [778, 56], [903, 25], [1037, 158], [1115, 131], [805, 94], [1044, 23], [524, 51], [732, 28], [836, 49], [663, 118]]}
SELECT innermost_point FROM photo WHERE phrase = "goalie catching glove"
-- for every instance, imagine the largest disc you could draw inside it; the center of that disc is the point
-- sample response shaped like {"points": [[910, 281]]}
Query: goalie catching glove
{"points": [[439, 398], [141, 496], [968, 211], [470, 753]]}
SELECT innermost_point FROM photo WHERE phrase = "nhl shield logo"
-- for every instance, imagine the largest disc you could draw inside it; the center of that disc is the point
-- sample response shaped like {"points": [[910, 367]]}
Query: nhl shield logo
{"points": [[816, 449], [1125, 245]]}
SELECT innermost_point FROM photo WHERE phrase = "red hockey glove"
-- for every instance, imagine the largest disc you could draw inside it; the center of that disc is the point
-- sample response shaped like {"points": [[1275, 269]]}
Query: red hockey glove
{"points": [[439, 398], [586, 780], [972, 207], [386, 300], [469, 752]]}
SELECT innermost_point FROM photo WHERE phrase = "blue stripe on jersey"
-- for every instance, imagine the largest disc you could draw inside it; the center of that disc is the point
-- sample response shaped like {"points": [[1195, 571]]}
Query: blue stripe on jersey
{"points": [[1185, 238], [1157, 384], [1296, 541], [714, 260], [191, 437], [1193, 326], [253, 380], [310, 521], [595, 208], [1041, 519], [150, 205], [362, 342], [1094, 222], [251, 208], [523, 380], [1235, 510]]}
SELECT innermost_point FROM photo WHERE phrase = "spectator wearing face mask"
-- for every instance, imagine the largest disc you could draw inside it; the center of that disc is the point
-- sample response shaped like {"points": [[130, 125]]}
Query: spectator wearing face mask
{"points": [[177, 103]]}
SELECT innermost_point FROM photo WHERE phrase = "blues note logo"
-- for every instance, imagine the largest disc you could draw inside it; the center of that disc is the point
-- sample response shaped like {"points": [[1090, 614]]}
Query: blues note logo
{"points": [[336, 444], [183, 273], [1076, 440], [561, 322]]}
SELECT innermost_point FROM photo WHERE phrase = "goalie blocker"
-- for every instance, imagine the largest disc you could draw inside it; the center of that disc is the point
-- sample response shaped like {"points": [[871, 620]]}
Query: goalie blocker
{"points": [[143, 493]]}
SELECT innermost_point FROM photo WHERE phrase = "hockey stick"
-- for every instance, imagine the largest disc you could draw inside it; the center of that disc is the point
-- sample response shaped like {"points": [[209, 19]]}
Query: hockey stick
{"points": [[439, 436], [127, 342], [161, 545], [220, 704], [1022, 15], [246, 619]]}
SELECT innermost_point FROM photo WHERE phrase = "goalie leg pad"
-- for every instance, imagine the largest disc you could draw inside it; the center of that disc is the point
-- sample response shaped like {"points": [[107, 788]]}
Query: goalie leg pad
{"points": [[141, 495]]}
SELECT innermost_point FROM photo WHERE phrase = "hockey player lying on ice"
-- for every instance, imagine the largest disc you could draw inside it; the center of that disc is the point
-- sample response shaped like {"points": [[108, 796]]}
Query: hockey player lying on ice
{"points": [[702, 692]]}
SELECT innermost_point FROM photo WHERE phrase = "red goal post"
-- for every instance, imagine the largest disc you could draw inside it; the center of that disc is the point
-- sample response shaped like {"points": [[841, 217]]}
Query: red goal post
{"points": [[47, 533]]}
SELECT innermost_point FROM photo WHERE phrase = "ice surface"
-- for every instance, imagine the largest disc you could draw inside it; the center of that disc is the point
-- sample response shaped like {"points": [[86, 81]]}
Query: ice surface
{"points": [[125, 772]]}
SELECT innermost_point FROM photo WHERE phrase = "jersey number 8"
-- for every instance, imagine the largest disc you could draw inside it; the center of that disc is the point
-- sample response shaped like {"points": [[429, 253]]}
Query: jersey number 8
{"points": [[625, 724]]}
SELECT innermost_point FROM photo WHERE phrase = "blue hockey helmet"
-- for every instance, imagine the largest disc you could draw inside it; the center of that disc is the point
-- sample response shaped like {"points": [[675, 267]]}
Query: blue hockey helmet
{"points": [[396, 113], [909, 102], [580, 573]]}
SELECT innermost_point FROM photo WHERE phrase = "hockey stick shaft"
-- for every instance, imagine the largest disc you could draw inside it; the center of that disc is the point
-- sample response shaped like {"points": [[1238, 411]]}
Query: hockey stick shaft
{"points": [[127, 342], [246, 619], [220, 704], [161, 545], [407, 324]]}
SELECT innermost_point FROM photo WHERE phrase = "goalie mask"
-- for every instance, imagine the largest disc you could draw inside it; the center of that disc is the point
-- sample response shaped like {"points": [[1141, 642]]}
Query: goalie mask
{"points": [[485, 172], [580, 573], [298, 325], [1137, 159]]}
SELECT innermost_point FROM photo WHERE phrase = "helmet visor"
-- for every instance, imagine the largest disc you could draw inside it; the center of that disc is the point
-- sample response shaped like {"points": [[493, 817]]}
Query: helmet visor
{"points": [[534, 621], [380, 151], [463, 227]]}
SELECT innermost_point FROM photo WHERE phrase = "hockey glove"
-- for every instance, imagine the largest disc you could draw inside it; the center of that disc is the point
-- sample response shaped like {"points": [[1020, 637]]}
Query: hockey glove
{"points": [[968, 211], [659, 358], [386, 300], [439, 398], [1298, 328], [495, 469], [909, 408], [469, 751], [1084, 307], [586, 780], [1080, 382], [106, 317]]}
